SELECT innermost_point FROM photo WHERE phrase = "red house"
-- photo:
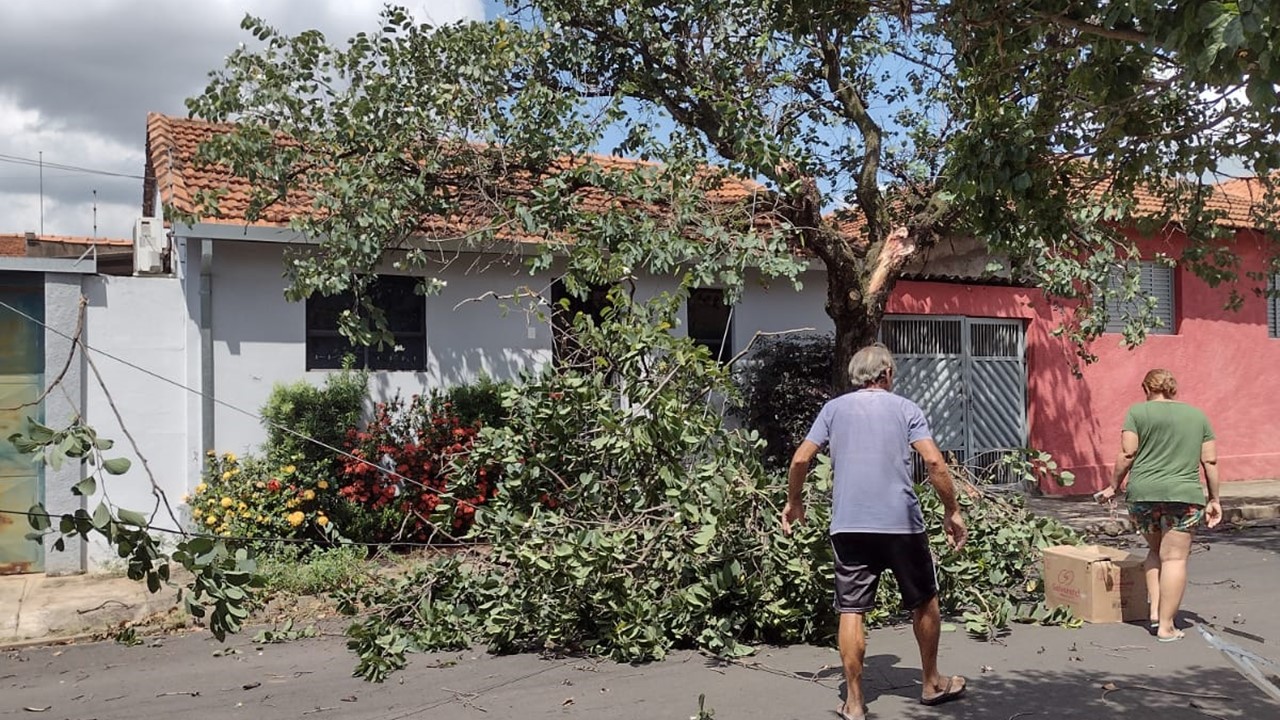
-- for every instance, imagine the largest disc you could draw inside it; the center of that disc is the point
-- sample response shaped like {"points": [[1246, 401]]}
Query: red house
{"points": [[1227, 362]]}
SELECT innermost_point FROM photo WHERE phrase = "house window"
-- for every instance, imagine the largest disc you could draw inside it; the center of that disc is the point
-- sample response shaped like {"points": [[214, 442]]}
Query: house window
{"points": [[406, 314], [1155, 280], [710, 322], [563, 342], [1273, 306]]}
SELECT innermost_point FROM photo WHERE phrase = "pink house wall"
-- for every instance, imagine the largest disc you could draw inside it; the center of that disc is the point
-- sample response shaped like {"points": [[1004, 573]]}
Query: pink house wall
{"points": [[1223, 359]]}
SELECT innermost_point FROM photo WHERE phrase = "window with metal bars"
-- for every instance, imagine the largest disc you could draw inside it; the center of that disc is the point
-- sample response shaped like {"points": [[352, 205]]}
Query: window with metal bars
{"points": [[406, 313], [1273, 306], [1155, 280]]}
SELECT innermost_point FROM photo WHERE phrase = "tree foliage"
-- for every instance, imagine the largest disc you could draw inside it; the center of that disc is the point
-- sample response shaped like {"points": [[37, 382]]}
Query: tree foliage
{"points": [[1035, 126], [632, 521]]}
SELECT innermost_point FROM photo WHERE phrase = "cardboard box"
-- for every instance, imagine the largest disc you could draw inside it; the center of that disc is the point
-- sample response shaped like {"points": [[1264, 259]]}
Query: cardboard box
{"points": [[1099, 584]]}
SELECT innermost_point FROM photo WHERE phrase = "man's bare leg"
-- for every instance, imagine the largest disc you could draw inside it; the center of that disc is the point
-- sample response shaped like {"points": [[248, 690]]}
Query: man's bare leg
{"points": [[853, 650], [926, 620]]}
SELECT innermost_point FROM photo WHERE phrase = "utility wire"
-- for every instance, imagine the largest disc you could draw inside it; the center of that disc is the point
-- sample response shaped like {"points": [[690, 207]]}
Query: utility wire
{"points": [[16, 160]]}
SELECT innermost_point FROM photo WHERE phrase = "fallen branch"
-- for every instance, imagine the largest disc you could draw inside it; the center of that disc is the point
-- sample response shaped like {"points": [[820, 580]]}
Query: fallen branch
{"points": [[1109, 688]]}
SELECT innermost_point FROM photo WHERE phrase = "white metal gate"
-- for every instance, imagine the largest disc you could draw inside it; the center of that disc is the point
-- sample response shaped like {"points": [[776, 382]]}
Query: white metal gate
{"points": [[969, 375]]}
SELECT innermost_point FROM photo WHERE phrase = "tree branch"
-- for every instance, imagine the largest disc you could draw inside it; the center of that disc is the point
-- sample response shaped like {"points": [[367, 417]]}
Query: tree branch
{"points": [[1133, 36]]}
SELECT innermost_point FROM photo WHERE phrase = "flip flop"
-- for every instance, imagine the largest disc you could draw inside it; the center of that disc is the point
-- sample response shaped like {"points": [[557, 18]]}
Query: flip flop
{"points": [[1178, 635], [840, 713], [946, 695]]}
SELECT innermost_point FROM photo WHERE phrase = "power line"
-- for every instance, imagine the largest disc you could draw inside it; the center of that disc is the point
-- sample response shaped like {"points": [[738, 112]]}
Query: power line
{"points": [[36, 163]]}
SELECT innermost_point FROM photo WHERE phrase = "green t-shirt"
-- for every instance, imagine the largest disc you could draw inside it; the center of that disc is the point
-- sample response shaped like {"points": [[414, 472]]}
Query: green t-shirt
{"points": [[1167, 467]]}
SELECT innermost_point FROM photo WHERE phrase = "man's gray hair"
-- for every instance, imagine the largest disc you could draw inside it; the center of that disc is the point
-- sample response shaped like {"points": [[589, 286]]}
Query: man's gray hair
{"points": [[869, 364]]}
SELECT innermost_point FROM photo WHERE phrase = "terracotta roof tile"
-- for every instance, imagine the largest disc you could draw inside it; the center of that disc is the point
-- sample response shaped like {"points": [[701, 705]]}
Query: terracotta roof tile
{"points": [[173, 174]]}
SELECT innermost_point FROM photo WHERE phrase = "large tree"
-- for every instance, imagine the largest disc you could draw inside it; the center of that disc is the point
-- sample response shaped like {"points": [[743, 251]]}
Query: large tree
{"points": [[867, 132]]}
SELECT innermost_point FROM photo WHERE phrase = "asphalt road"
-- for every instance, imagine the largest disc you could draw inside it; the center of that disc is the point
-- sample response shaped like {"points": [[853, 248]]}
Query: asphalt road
{"points": [[1033, 672]]}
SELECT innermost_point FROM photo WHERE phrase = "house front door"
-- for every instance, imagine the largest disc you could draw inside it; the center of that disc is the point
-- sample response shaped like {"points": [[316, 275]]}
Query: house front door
{"points": [[21, 380]]}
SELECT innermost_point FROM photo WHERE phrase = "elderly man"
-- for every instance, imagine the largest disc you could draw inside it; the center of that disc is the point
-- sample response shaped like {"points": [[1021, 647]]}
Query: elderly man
{"points": [[876, 523]]}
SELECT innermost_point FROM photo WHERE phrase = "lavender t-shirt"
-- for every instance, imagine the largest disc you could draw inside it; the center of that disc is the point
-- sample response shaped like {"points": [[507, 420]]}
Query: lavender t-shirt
{"points": [[870, 433]]}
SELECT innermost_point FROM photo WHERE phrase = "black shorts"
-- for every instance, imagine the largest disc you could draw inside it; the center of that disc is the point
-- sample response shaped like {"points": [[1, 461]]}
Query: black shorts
{"points": [[861, 557]]}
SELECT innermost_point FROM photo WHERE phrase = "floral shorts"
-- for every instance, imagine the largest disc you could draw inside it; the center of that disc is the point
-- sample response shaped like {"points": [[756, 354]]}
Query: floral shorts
{"points": [[1153, 517]]}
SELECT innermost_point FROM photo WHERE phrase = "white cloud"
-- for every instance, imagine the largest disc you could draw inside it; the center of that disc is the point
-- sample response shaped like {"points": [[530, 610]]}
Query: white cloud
{"points": [[80, 77]]}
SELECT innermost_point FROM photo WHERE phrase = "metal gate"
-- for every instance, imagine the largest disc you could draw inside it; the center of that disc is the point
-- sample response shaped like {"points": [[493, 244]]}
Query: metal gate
{"points": [[969, 375], [21, 377]]}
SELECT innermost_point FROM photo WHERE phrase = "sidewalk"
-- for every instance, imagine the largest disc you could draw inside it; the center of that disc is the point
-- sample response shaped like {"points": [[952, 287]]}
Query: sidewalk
{"points": [[37, 607], [1242, 503]]}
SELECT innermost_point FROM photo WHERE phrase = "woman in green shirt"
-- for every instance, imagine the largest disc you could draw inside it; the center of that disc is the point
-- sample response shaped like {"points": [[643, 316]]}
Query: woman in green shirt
{"points": [[1163, 446]]}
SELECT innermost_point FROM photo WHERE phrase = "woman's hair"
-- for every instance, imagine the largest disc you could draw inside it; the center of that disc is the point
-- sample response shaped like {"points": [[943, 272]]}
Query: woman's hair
{"points": [[1160, 381], [870, 364]]}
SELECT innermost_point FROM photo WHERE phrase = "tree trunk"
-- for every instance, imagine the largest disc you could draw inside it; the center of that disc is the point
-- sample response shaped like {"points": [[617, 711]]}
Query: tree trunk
{"points": [[857, 322]]}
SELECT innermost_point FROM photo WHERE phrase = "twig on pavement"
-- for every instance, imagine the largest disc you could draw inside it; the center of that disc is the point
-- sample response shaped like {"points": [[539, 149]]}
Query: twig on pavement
{"points": [[1112, 687]]}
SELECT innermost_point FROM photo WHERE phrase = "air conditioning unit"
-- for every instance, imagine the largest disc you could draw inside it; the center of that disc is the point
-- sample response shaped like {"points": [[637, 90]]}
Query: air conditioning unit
{"points": [[149, 245]]}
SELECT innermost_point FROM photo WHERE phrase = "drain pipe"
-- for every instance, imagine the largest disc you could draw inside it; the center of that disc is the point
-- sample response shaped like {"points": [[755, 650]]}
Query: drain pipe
{"points": [[206, 345]]}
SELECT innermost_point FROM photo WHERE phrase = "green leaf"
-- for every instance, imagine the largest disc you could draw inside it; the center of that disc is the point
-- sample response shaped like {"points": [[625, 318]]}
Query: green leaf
{"points": [[132, 517], [38, 518], [86, 487], [117, 466]]}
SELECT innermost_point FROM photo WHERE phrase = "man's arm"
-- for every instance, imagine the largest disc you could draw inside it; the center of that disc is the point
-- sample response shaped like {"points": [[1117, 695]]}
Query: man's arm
{"points": [[939, 474], [793, 513], [940, 479]]}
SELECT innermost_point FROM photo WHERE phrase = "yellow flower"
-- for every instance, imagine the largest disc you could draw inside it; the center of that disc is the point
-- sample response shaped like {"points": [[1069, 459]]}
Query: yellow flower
{"points": [[186, 497], [308, 494], [201, 488], [211, 454], [211, 520], [197, 512], [323, 484], [227, 502], [291, 503], [322, 521], [242, 506], [295, 518], [261, 519], [226, 475], [226, 534], [212, 502], [288, 469], [229, 457]]}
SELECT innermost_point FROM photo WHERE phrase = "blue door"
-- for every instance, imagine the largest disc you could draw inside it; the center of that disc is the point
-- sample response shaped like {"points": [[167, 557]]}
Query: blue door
{"points": [[21, 380]]}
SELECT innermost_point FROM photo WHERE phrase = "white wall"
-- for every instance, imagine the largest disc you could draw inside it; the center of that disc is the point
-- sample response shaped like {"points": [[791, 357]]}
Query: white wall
{"points": [[259, 338], [778, 306], [144, 321]]}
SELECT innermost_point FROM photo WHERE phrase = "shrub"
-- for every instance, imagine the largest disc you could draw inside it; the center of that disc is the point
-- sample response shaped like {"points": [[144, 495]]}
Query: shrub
{"points": [[322, 412], [254, 498], [478, 403], [420, 440], [783, 384]]}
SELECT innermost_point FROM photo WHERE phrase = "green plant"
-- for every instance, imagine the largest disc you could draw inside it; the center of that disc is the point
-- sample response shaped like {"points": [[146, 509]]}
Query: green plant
{"points": [[298, 413], [475, 403], [295, 570], [784, 382], [285, 633], [253, 497], [704, 712]]}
